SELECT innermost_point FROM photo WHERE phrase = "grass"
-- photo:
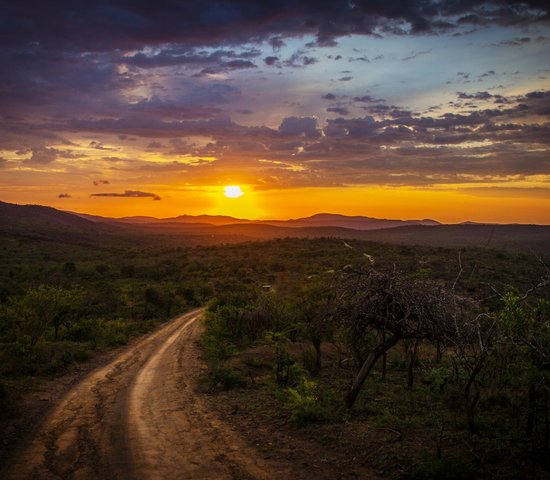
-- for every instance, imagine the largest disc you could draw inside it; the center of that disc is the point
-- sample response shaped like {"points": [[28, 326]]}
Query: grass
{"points": [[393, 430]]}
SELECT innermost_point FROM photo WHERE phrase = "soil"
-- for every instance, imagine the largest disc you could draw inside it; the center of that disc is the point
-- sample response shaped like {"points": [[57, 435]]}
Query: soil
{"points": [[137, 415]]}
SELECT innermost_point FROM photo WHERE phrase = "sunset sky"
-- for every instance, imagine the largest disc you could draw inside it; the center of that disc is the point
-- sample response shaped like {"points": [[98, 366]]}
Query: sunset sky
{"points": [[394, 108]]}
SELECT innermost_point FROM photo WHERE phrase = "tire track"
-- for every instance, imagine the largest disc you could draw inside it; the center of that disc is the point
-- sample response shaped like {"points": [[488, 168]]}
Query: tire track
{"points": [[139, 417]]}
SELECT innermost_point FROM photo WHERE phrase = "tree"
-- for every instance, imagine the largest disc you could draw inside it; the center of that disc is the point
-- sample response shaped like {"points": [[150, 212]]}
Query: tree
{"points": [[316, 312], [473, 341], [394, 306], [39, 308], [526, 326]]}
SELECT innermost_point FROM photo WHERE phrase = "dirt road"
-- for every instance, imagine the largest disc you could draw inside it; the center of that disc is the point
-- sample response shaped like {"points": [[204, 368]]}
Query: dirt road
{"points": [[140, 418]]}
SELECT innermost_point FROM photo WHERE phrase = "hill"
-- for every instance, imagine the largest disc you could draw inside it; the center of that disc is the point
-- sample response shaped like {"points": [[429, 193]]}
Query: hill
{"points": [[45, 222], [317, 220]]}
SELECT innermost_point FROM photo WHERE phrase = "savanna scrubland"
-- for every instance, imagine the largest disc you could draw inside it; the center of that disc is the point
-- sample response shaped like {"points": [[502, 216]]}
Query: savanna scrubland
{"points": [[417, 361]]}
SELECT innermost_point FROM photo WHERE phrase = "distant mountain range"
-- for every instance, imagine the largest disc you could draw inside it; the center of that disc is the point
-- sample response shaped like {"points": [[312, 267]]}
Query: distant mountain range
{"points": [[318, 220], [46, 223]]}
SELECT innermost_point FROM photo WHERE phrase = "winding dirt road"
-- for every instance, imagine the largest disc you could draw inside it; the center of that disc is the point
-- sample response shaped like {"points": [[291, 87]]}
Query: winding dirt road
{"points": [[139, 418]]}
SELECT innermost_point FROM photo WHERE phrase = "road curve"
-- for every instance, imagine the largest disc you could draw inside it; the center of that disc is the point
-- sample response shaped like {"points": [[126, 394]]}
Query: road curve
{"points": [[139, 418]]}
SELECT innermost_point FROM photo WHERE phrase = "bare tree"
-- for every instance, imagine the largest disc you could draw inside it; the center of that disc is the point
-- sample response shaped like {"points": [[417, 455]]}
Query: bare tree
{"points": [[392, 303]]}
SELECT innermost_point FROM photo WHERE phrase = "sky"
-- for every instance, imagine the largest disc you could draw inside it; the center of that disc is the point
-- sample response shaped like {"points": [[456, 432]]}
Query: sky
{"points": [[391, 109]]}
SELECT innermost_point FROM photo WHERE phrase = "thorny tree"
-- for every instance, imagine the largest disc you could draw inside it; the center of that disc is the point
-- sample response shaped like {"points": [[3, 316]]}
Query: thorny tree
{"points": [[394, 307]]}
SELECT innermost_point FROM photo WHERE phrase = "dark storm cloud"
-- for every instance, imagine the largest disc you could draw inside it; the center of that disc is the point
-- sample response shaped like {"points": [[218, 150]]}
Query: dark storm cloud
{"points": [[128, 193]]}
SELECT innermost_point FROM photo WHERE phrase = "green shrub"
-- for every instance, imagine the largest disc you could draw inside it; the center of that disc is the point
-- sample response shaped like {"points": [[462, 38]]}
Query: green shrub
{"points": [[115, 332], [437, 378], [309, 358], [389, 419], [86, 330], [304, 404]]}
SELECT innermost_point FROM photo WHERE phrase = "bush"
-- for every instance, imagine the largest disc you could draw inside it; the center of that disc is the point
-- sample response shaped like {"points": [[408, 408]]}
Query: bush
{"points": [[437, 378], [304, 404], [309, 359], [86, 330], [43, 359], [226, 378]]}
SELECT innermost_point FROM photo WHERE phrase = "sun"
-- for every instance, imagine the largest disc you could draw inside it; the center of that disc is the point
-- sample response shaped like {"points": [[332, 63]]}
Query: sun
{"points": [[233, 191]]}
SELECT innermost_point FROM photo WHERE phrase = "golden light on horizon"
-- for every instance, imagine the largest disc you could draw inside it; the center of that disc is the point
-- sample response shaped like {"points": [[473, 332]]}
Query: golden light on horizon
{"points": [[233, 191]]}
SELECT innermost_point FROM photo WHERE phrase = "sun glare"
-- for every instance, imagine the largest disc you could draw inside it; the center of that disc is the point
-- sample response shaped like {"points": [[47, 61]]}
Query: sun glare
{"points": [[233, 191]]}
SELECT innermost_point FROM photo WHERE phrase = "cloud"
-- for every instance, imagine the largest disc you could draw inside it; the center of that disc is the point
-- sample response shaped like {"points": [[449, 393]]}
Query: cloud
{"points": [[345, 79], [515, 42], [368, 99], [276, 43], [101, 182], [271, 60], [299, 126], [338, 110], [128, 193], [188, 56], [64, 195], [329, 96], [476, 96], [490, 73], [123, 25], [226, 67], [413, 55], [98, 146], [309, 60], [42, 156]]}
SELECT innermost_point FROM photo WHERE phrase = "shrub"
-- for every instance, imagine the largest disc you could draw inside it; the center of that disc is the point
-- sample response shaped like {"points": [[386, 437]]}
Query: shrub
{"points": [[437, 378], [309, 358], [226, 378], [304, 404]]}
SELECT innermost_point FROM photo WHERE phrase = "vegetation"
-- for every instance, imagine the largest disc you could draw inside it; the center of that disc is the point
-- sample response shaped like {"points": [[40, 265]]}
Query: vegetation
{"points": [[462, 360], [429, 346]]}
